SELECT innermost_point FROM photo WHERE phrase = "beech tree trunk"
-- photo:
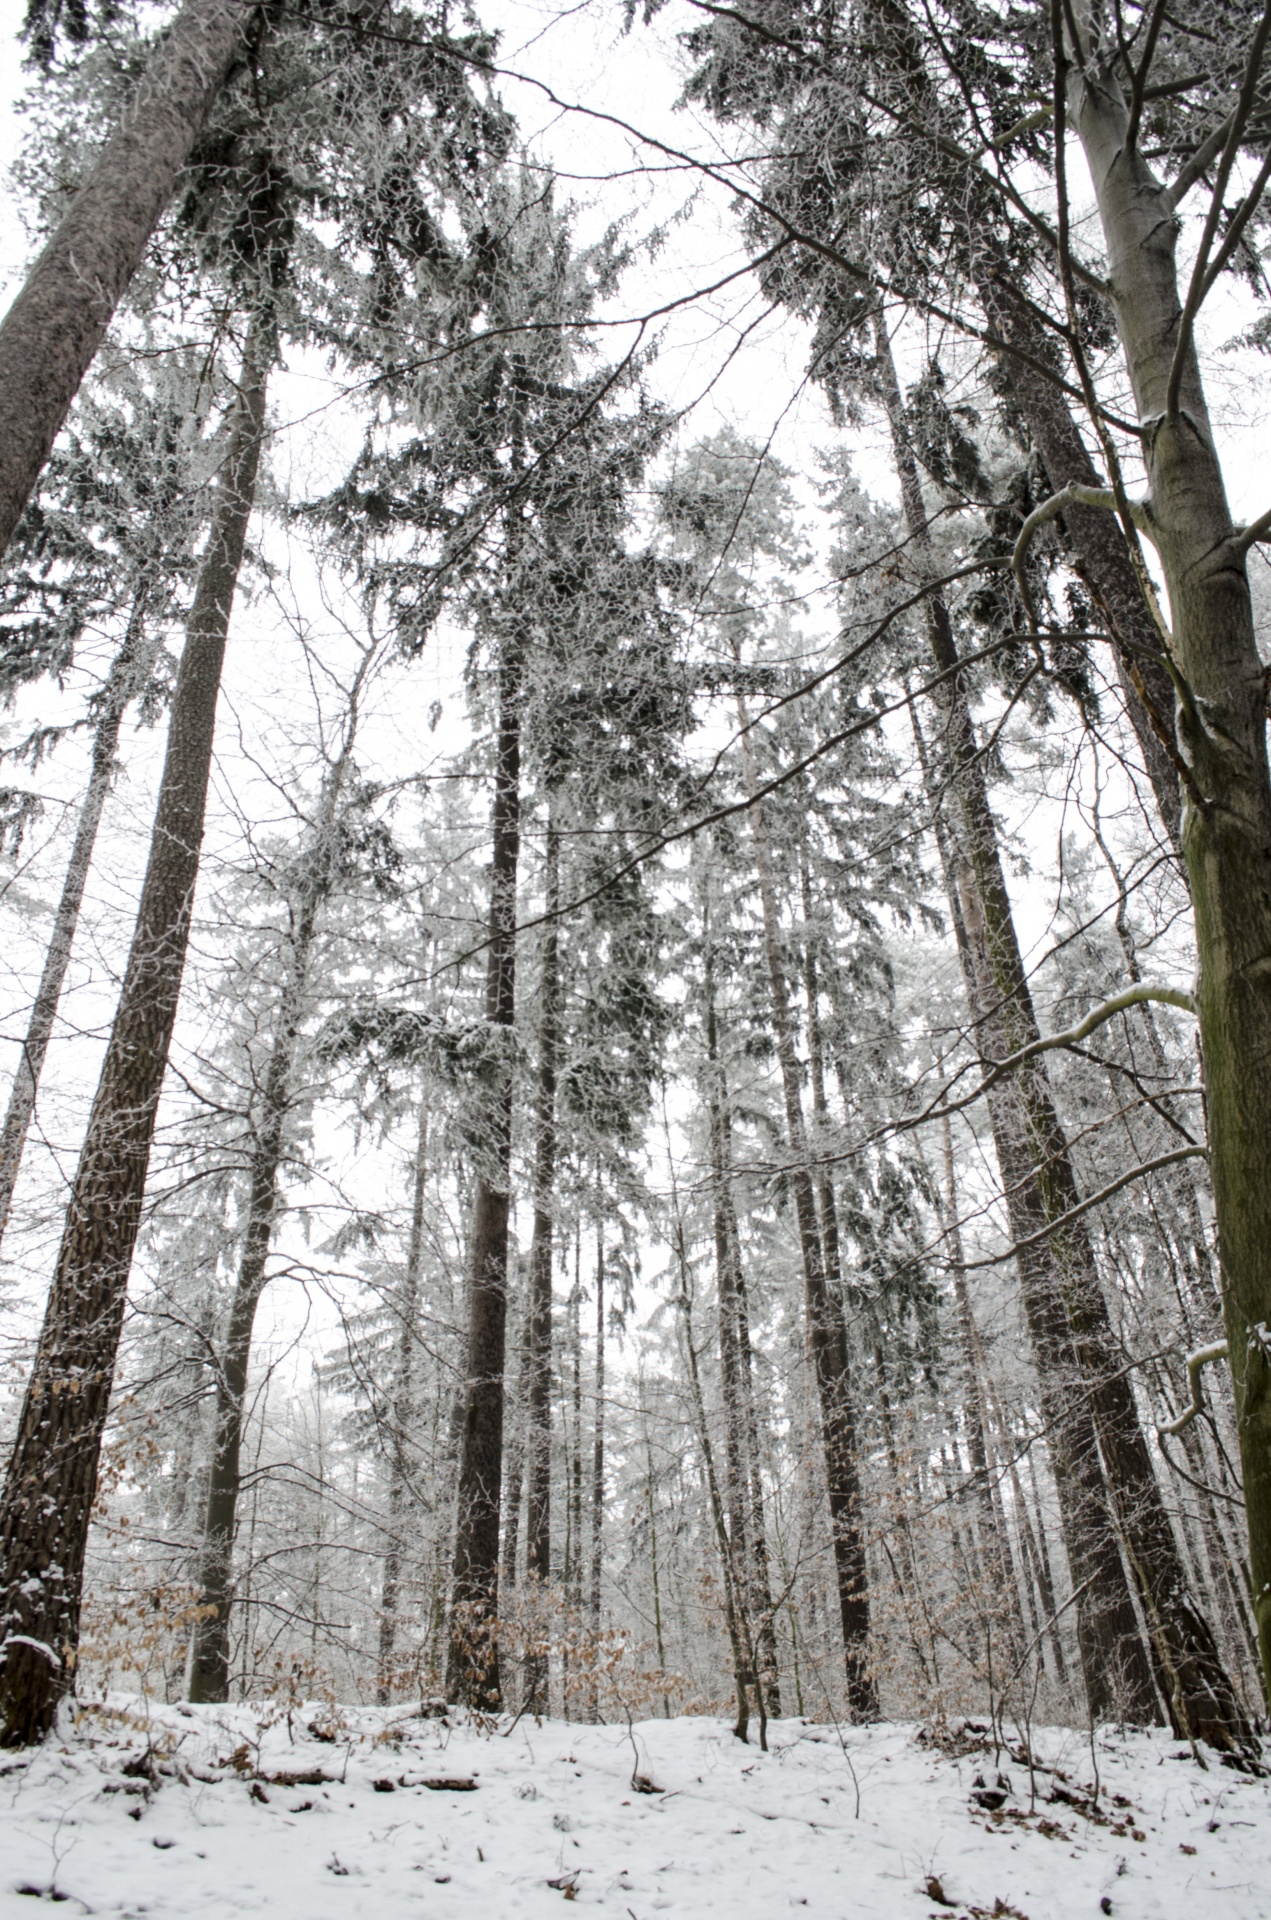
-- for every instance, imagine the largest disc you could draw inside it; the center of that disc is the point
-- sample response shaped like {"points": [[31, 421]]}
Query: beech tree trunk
{"points": [[129, 672], [52, 1476], [826, 1328], [472, 1670], [1221, 730], [538, 1511], [55, 326]]}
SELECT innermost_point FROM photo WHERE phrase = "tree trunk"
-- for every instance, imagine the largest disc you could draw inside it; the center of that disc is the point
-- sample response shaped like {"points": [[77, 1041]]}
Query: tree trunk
{"points": [[538, 1514], [128, 675], [1096, 545], [743, 1660], [1063, 1300], [514, 1447], [742, 1454], [52, 1476], [827, 1332], [1080, 1354], [403, 1420], [1221, 722], [598, 1472], [55, 326], [472, 1673], [1003, 1597], [209, 1644]]}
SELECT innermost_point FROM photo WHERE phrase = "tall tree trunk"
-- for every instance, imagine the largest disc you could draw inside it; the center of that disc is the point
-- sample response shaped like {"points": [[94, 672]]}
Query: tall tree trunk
{"points": [[742, 1454], [826, 1329], [403, 1413], [209, 1643], [514, 1448], [1095, 543], [743, 1658], [1221, 725], [598, 1470], [472, 1671], [55, 326], [538, 1514], [52, 1475], [128, 675], [1113, 1660], [994, 1539], [1063, 1298]]}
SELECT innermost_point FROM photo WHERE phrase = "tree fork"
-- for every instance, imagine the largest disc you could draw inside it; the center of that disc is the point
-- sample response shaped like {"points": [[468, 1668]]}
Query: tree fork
{"points": [[1222, 737]]}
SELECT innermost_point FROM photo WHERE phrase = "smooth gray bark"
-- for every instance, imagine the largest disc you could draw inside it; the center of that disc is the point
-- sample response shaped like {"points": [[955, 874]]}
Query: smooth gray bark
{"points": [[1221, 725]]}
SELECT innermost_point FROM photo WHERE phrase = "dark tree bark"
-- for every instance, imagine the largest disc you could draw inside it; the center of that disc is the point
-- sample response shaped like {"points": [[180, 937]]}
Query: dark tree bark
{"points": [[1028, 1142], [538, 1515], [827, 1331], [128, 675], [1097, 547], [402, 1414], [743, 1485], [52, 1476], [209, 1644], [55, 326], [598, 1467], [1076, 1346], [472, 1670]]}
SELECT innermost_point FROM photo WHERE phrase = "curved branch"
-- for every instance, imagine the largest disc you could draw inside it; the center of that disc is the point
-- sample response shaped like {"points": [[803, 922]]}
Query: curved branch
{"points": [[1217, 1350], [1073, 495], [1085, 1206], [1132, 997]]}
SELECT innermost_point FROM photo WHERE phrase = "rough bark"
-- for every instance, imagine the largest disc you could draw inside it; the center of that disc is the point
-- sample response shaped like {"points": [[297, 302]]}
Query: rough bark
{"points": [[743, 1482], [402, 1414], [128, 674], [55, 326], [995, 1543], [209, 1643], [826, 1329], [538, 1514], [1221, 722], [1107, 1487], [52, 1475], [1097, 548], [598, 1468], [472, 1670], [1113, 1660]]}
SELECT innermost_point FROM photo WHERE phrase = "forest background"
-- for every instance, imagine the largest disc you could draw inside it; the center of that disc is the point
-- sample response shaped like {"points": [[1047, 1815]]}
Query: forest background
{"points": [[352, 1476]]}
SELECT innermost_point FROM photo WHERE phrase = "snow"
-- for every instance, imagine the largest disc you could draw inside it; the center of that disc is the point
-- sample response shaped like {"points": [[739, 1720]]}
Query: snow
{"points": [[140, 1809]]}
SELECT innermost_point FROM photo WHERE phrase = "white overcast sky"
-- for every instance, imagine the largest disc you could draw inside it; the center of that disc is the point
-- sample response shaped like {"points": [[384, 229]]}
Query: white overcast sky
{"points": [[586, 60]]}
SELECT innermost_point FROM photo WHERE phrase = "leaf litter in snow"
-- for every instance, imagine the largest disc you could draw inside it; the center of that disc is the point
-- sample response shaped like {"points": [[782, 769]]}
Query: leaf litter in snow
{"points": [[165, 1811]]}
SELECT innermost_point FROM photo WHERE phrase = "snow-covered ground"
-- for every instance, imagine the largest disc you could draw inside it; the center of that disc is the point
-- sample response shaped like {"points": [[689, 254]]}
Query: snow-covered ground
{"points": [[207, 1812]]}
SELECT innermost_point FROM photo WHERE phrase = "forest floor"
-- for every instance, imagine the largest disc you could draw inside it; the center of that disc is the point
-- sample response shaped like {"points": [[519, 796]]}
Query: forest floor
{"points": [[354, 1815]]}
